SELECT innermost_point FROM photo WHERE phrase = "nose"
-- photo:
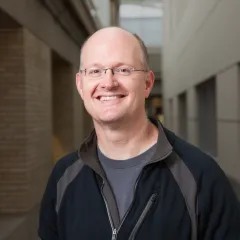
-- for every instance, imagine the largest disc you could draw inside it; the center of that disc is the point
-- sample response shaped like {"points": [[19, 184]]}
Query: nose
{"points": [[108, 81]]}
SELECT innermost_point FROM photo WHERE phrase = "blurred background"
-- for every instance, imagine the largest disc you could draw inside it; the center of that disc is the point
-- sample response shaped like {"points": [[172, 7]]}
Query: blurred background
{"points": [[194, 49]]}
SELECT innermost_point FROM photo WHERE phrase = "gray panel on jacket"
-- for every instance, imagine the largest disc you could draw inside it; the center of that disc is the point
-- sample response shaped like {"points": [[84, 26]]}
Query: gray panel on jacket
{"points": [[188, 187], [68, 176]]}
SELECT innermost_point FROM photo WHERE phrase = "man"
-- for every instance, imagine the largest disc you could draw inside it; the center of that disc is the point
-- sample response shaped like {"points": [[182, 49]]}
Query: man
{"points": [[132, 178]]}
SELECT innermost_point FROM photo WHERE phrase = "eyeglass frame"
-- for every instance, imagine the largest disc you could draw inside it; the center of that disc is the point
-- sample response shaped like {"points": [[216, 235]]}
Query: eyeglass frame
{"points": [[112, 70]]}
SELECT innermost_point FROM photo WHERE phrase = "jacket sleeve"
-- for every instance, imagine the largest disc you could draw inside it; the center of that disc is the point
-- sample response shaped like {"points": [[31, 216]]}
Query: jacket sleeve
{"points": [[48, 229], [219, 211]]}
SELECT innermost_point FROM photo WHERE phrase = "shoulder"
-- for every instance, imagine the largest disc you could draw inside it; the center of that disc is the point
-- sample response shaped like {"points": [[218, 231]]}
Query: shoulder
{"points": [[63, 164], [198, 162], [213, 186], [63, 171], [51, 197]]}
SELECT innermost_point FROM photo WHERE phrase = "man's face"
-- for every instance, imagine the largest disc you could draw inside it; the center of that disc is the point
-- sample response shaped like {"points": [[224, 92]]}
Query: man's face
{"points": [[111, 98]]}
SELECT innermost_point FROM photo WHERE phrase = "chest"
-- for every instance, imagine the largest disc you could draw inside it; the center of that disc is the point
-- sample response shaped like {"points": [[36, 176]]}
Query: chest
{"points": [[158, 211]]}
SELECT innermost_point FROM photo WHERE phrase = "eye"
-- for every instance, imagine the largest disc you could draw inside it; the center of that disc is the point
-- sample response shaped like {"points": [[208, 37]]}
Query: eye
{"points": [[94, 71], [125, 70]]}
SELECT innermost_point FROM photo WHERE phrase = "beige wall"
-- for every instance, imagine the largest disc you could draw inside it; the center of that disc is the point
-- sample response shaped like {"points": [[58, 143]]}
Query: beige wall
{"points": [[204, 41], [25, 130], [25, 107], [38, 101], [36, 18], [228, 120], [201, 43]]}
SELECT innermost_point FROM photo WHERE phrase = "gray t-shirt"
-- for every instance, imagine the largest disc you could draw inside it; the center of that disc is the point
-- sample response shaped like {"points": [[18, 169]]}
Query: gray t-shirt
{"points": [[122, 176]]}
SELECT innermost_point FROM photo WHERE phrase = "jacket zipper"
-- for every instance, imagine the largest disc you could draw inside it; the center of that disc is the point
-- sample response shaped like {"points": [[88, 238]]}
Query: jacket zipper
{"points": [[149, 203], [143, 215], [135, 188], [114, 231]]}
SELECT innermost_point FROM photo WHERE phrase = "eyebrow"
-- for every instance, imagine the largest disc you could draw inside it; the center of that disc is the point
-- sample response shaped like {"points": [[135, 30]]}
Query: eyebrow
{"points": [[117, 64]]}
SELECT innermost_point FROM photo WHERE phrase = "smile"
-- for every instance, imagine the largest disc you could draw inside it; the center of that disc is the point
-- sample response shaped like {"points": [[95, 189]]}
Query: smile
{"points": [[109, 98]]}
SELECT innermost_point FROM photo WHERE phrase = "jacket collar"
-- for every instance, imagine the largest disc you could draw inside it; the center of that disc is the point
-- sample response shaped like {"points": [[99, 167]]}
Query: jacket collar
{"points": [[88, 154], [88, 150], [164, 148]]}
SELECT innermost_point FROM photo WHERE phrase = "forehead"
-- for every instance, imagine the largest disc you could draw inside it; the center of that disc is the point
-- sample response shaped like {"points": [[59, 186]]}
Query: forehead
{"points": [[111, 49]]}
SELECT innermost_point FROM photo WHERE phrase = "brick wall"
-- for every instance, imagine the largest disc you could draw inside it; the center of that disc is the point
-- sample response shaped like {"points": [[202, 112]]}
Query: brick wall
{"points": [[38, 114], [12, 120], [25, 119], [37, 99]]}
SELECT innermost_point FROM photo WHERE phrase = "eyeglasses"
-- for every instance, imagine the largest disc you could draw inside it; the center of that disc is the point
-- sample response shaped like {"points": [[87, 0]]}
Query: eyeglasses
{"points": [[99, 72]]}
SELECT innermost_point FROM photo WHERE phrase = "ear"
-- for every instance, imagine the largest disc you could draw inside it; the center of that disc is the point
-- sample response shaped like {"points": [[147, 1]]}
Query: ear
{"points": [[149, 83], [79, 84]]}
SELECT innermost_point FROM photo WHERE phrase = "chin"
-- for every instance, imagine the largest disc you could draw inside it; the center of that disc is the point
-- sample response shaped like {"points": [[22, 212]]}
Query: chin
{"points": [[110, 118]]}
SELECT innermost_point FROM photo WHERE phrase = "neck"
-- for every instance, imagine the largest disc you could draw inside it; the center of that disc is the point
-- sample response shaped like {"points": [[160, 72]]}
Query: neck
{"points": [[127, 141]]}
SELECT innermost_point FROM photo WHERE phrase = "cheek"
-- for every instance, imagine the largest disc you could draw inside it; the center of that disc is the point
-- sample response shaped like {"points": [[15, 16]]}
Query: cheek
{"points": [[138, 93], [88, 89], [139, 89]]}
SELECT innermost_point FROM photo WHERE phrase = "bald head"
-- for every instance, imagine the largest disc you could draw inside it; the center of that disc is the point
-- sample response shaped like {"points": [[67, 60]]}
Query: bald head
{"points": [[114, 39]]}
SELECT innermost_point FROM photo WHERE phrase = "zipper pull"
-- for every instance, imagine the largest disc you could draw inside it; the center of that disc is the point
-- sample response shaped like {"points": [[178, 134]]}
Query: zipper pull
{"points": [[114, 234]]}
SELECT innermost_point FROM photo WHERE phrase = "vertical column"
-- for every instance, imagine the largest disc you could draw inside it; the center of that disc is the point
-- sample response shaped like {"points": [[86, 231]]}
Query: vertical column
{"points": [[38, 112], [25, 120], [13, 181], [114, 6], [167, 112], [228, 121], [192, 116], [182, 109], [175, 115]]}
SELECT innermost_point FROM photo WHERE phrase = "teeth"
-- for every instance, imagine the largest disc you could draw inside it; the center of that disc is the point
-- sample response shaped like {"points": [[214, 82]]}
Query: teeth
{"points": [[107, 98]]}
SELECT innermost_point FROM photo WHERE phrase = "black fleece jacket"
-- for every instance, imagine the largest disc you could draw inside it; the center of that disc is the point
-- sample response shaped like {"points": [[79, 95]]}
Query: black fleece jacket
{"points": [[78, 203]]}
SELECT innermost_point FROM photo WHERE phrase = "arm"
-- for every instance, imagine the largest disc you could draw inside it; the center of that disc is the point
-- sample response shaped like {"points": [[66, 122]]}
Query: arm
{"points": [[219, 211], [48, 229]]}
